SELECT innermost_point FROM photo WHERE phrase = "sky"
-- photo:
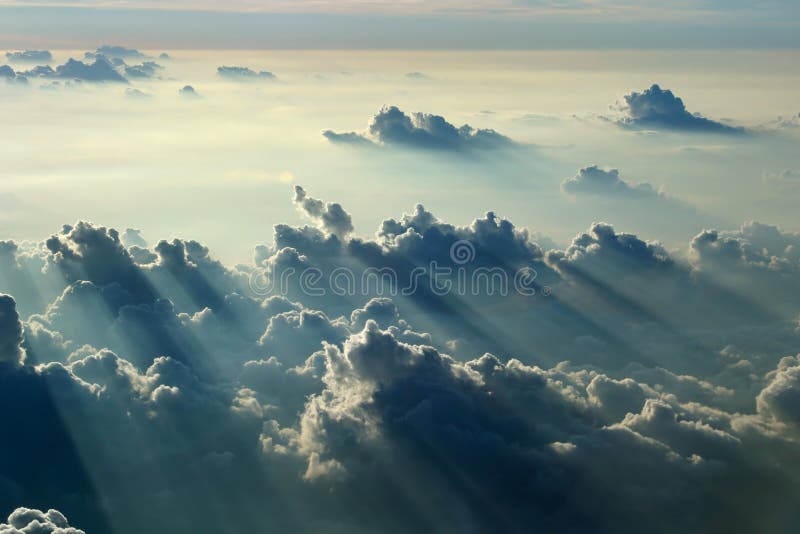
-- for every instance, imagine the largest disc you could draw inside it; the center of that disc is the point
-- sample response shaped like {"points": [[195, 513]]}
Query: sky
{"points": [[368, 266], [452, 24]]}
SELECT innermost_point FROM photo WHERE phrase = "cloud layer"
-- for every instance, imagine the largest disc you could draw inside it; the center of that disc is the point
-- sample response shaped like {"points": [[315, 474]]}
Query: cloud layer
{"points": [[273, 396]]}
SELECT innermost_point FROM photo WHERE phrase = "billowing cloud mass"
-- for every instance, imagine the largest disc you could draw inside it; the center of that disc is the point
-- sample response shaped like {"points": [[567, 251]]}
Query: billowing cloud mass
{"points": [[29, 56], [433, 377], [146, 69], [660, 109], [245, 74], [393, 128], [116, 52], [605, 182], [7, 73], [29, 521], [99, 71], [330, 217]]}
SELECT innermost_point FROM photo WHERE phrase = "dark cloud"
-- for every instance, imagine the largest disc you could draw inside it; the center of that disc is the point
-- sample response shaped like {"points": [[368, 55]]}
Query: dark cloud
{"points": [[639, 372], [660, 109], [244, 74], [606, 182], [10, 332], [29, 56], [392, 127]]}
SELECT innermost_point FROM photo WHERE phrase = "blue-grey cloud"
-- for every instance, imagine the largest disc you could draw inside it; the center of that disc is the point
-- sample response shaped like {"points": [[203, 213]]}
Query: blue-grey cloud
{"points": [[116, 52], [146, 69], [30, 56], [393, 128], [245, 74], [606, 182], [100, 70], [225, 407], [188, 91], [660, 109]]}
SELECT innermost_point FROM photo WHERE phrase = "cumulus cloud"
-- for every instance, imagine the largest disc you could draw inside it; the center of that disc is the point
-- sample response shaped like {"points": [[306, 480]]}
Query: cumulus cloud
{"points": [[30, 521], [392, 127], [606, 182], [187, 91], [116, 52], [330, 217], [660, 109], [29, 56], [224, 408], [244, 74], [147, 69], [10, 332], [101, 70], [8, 74]]}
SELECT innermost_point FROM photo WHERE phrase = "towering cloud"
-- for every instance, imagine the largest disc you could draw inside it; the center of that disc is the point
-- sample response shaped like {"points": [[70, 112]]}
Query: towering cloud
{"points": [[660, 109], [329, 217]]}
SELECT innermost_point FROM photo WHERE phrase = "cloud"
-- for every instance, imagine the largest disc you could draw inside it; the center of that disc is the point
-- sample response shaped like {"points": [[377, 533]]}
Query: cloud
{"points": [[639, 372], [393, 128], [606, 182], [331, 218], [187, 91], [137, 94], [29, 56], [146, 69], [244, 74], [8, 74], [350, 138], [99, 71], [117, 52], [29, 521], [660, 109], [10, 332]]}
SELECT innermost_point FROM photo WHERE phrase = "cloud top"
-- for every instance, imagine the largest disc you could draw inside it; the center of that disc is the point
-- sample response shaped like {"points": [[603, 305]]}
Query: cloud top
{"points": [[605, 182], [659, 109]]}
